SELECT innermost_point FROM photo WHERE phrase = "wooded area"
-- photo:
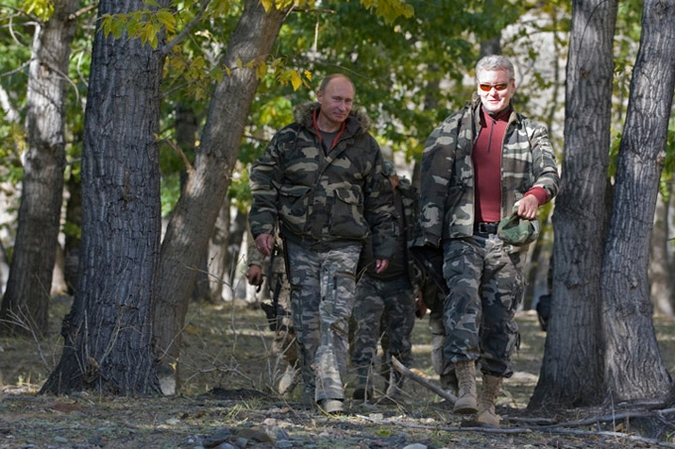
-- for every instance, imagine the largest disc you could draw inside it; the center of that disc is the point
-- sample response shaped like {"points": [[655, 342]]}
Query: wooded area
{"points": [[155, 110]]}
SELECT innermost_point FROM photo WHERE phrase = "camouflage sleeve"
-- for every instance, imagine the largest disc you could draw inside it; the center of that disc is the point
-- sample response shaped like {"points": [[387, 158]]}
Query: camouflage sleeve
{"points": [[379, 209], [266, 174], [253, 256], [436, 171], [544, 166]]}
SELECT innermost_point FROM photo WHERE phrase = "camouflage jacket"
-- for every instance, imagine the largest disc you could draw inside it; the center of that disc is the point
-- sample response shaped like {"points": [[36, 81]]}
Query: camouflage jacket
{"points": [[447, 177], [409, 201], [323, 201]]}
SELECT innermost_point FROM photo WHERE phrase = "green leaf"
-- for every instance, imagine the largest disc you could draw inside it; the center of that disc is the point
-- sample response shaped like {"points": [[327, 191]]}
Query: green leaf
{"points": [[166, 18]]}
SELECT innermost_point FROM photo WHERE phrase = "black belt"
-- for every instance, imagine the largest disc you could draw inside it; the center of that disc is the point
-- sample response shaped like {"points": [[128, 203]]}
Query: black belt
{"points": [[485, 227]]}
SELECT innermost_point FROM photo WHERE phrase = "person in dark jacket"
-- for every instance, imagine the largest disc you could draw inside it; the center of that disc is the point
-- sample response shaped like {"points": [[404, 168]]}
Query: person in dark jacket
{"points": [[320, 181], [385, 302]]}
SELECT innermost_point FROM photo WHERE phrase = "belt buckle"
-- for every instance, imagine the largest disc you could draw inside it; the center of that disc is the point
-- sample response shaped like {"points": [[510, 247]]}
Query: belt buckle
{"points": [[487, 228]]}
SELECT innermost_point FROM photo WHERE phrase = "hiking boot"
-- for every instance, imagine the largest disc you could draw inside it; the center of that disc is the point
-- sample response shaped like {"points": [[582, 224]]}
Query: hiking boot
{"points": [[488, 398], [466, 379]]}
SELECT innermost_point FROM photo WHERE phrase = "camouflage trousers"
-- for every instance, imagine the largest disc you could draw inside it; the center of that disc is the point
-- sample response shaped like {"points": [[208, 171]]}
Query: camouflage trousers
{"points": [[383, 309], [322, 297], [486, 286]]}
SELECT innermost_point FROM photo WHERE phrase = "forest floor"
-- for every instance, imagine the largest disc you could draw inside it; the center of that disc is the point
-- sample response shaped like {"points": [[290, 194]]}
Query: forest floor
{"points": [[226, 400]]}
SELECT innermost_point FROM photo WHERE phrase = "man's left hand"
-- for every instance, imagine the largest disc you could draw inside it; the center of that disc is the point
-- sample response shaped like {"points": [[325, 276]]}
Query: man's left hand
{"points": [[527, 207]]}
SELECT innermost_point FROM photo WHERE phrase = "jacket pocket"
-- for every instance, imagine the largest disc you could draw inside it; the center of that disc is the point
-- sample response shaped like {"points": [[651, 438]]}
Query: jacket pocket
{"points": [[347, 220], [293, 205]]}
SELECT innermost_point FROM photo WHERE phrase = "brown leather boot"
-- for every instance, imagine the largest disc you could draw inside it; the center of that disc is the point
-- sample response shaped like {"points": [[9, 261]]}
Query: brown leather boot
{"points": [[489, 393], [466, 379]]}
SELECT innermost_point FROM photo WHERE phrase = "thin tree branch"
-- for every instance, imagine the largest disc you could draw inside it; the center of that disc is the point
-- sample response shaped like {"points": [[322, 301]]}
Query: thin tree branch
{"points": [[398, 366], [181, 154], [187, 30]]}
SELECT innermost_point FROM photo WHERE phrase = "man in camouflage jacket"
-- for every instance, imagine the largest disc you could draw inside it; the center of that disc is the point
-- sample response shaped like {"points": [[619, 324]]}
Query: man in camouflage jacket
{"points": [[480, 165], [321, 181]]}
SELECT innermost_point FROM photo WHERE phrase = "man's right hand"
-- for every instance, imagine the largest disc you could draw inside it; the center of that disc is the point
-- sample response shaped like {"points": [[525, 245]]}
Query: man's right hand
{"points": [[265, 244], [255, 275]]}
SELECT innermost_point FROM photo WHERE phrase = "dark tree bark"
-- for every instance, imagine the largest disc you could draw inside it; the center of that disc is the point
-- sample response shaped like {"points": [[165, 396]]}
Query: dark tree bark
{"points": [[108, 332], [571, 373], [193, 218], [661, 267], [25, 305], [634, 368]]}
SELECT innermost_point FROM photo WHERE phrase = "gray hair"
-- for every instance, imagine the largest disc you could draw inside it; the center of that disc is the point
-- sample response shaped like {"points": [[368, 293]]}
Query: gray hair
{"points": [[495, 62]]}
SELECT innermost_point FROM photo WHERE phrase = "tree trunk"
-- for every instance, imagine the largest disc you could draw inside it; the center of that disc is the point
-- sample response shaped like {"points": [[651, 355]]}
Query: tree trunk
{"points": [[571, 372], [219, 278], [237, 282], [225, 248], [58, 286], [108, 332], [25, 305], [187, 129], [193, 218], [662, 284], [634, 368]]}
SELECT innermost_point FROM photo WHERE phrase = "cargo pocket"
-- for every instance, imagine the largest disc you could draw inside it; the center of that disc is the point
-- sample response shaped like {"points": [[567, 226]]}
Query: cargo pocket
{"points": [[347, 220]]}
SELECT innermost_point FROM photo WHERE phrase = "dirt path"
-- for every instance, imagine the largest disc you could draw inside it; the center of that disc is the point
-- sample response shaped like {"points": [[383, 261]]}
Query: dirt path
{"points": [[226, 401]]}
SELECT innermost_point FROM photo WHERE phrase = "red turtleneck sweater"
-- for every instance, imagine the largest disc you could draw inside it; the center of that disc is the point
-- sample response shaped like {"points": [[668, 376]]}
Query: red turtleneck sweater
{"points": [[487, 162]]}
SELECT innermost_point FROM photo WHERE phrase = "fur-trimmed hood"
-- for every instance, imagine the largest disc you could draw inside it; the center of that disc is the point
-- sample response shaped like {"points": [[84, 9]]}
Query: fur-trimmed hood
{"points": [[303, 115]]}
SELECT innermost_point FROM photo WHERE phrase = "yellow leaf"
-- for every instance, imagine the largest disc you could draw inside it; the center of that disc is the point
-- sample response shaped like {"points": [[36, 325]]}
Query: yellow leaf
{"points": [[267, 4], [296, 81]]}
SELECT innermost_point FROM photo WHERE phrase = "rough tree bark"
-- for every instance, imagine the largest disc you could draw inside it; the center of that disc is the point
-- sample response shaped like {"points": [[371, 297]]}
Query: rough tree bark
{"points": [[571, 372], [193, 218], [108, 332], [634, 368], [660, 264], [25, 305]]}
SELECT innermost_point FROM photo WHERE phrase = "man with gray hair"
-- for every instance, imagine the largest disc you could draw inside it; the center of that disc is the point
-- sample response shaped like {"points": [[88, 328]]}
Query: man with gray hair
{"points": [[484, 164]]}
